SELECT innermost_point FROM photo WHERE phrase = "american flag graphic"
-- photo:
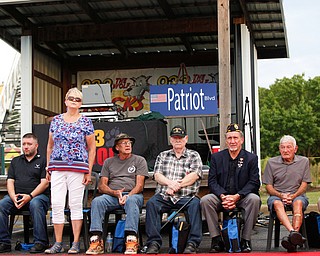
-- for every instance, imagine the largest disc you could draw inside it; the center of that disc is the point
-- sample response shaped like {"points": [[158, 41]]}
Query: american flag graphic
{"points": [[157, 98]]}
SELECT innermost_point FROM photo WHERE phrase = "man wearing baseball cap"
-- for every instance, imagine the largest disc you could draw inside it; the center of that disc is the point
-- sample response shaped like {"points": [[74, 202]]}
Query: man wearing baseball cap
{"points": [[121, 183], [178, 172], [233, 182]]}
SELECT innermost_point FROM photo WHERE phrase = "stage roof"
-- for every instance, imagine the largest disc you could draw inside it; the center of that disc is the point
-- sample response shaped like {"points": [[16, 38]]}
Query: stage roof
{"points": [[139, 32]]}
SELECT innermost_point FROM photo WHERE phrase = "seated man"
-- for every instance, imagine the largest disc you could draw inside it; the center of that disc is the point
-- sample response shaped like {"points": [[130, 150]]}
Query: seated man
{"points": [[122, 182], [286, 178], [233, 182], [27, 190], [177, 172]]}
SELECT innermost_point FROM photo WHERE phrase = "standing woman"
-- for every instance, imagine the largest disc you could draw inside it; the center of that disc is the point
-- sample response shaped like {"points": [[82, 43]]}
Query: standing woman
{"points": [[70, 155]]}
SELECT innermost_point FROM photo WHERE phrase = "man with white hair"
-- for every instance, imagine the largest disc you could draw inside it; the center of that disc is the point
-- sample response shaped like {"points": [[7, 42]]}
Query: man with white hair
{"points": [[286, 178]]}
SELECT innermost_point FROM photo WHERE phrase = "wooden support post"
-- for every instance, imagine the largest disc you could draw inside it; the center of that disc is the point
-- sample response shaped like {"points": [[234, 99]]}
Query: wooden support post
{"points": [[224, 67]]}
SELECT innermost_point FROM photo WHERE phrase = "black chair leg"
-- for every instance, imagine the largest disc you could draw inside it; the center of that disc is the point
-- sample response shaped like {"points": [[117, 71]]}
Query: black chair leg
{"points": [[26, 221], [274, 221], [270, 231], [276, 232], [85, 226]]}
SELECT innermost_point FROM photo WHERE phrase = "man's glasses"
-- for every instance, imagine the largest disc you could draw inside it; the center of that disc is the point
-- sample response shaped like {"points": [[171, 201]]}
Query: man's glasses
{"points": [[125, 143], [76, 99]]}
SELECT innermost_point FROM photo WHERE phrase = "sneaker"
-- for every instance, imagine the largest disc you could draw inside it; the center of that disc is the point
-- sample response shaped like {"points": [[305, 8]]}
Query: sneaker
{"points": [[217, 245], [132, 245], [5, 247], [153, 248], [96, 245], [56, 248], [296, 238], [190, 249], [246, 245], [288, 245], [38, 248], [75, 248]]}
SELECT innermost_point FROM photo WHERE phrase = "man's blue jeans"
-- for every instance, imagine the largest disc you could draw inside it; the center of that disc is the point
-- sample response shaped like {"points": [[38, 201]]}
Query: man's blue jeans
{"points": [[156, 205], [38, 208], [106, 203]]}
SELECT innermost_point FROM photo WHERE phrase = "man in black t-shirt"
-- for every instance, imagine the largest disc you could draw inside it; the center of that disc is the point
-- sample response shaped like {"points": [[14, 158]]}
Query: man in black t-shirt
{"points": [[27, 190]]}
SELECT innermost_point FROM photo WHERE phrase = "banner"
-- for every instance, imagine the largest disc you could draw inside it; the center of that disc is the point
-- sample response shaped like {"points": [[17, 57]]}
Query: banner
{"points": [[184, 99], [130, 88]]}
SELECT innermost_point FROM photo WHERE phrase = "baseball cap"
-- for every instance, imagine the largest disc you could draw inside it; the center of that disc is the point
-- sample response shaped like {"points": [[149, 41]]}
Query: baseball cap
{"points": [[178, 130]]}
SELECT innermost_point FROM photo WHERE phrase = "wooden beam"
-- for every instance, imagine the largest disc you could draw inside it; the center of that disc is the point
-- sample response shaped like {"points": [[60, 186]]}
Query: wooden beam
{"points": [[57, 50], [124, 51], [14, 13], [43, 111], [47, 79], [156, 60], [89, 11], [111, 31], [187, 44], [166, 9], [224, 67]]}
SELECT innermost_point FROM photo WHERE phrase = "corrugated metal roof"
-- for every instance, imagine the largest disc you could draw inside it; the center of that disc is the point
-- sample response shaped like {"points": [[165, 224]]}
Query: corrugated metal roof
{"points": [[126, 28]]}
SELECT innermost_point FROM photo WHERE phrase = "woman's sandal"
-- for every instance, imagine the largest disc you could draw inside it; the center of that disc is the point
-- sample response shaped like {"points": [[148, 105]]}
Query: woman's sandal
{"points": [[75, 248]]}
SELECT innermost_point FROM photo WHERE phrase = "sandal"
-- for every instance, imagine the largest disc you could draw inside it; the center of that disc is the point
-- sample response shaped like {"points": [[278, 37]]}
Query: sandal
{"points": [[56, 248], [75, 248]]}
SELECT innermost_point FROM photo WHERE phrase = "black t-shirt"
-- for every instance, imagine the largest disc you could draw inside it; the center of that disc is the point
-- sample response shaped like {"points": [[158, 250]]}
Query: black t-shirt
{"points": [[27, 175]]}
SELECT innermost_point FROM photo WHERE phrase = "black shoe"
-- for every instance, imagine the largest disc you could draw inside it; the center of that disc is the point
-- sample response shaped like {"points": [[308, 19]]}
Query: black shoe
{"points": [[5, 247], [296, 238], [288, 245], [190, 248], [246, 245], [217, 245], [38, 248], [153, 248]]}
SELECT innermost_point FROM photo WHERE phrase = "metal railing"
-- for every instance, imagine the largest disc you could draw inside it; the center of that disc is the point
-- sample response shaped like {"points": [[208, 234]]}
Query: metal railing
{"points": [[7, 94]]}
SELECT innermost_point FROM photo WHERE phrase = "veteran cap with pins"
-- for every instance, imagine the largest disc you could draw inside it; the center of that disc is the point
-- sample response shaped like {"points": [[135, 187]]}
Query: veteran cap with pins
{"points": [[178, 130], [233, 128]]}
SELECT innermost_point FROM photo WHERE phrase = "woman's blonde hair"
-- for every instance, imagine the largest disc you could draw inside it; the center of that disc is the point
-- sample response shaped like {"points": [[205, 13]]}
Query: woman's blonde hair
{"points": [[74, 91]]}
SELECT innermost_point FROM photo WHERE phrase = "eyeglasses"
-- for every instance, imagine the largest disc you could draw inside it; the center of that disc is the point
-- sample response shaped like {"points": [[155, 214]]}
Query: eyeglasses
{"points": [[125, 143], [76, 99]]}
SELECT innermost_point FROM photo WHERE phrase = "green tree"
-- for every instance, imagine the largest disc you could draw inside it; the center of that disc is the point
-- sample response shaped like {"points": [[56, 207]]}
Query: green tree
{"points": [[290, 106]]}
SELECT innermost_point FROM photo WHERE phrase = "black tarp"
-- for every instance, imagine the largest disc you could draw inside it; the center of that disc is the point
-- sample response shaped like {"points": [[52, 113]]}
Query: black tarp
{"points": [[151, 138]]}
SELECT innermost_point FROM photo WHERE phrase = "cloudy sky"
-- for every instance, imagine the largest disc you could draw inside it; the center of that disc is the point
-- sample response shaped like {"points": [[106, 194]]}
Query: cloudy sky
{"points": [[303, 31], [7, 54]]}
